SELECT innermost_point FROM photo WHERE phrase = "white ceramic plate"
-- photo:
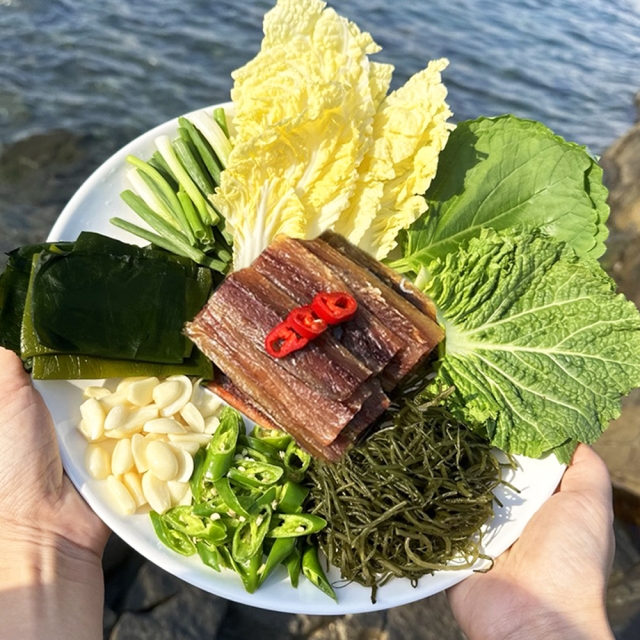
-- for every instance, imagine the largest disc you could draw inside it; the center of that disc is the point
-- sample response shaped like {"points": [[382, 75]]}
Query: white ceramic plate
{"points": [[90, 209]]}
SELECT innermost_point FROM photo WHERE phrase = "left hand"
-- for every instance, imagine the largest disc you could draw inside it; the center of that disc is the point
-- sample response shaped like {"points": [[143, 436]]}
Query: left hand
{"points": [[38, 503]]}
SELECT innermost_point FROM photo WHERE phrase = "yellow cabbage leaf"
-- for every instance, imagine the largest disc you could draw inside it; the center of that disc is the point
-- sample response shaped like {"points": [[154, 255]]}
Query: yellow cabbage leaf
{"points": [[409, 130], [305, 106], [258, 203]]}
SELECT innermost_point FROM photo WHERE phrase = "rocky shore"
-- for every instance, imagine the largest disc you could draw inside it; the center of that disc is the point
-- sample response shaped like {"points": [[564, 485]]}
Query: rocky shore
{"points": [[37, 177]]}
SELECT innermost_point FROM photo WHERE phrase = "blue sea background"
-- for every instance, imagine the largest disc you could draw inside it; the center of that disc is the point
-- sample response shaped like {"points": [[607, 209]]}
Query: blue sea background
{"points": [[79, 79]]}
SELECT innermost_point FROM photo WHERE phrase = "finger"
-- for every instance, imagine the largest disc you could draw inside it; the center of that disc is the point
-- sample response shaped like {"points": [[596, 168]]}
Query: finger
{"points": [[12, 373], [587, 474]]}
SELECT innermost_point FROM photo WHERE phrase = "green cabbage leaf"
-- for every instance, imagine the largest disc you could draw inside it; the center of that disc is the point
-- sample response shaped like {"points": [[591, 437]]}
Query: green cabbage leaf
{"points": [[539, 345], [504, 173]]}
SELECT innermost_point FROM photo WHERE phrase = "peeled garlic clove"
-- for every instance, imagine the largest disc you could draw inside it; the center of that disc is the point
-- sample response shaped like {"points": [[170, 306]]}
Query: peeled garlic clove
{"points": [[113, 400], [97, 462], [189, 446], [93, 416], [211, 423], [207, 402], [138, 450], [156, 492], [177, 490], [122, 458], [185, 465], [131, 480], [138, 416], [140, 392], [193, 417], [162, 460], [166, 392], [200, 438], [183, 397], [163, 425], [122, 498], [96, 392]]}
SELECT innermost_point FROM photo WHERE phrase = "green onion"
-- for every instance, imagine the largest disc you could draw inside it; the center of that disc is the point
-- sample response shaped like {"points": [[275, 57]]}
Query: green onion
{"points": [[204, 149], [221, 118], [189, 162], [214, 135], [206, 212], [179, 248]]}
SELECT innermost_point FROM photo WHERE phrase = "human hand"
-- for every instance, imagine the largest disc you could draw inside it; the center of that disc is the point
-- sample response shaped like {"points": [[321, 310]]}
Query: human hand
{"points": [[51, 543], [551, 583]]}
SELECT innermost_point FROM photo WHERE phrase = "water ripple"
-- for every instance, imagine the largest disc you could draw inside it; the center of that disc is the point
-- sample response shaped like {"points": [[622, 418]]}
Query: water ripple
{"points": [[125, 65]]}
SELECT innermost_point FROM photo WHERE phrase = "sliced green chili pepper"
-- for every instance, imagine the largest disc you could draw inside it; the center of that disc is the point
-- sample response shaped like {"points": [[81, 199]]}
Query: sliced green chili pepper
{"points": [[292, 496], [249, 571], [222, 448], [294, 564], [275, 437], [175, 540], [278, 553], [228, 496], [196, 477], [226, 560], [296, 461], [289, 525], [268, 497], [313, 571], [256, 444], [183, 518], [251, 473], [209, 554], [214, 505], [249, 536]]}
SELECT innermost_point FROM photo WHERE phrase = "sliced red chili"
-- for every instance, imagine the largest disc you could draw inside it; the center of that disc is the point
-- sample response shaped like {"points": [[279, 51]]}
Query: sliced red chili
{"points": [[334, 307], [306, 322], [283, 340]]}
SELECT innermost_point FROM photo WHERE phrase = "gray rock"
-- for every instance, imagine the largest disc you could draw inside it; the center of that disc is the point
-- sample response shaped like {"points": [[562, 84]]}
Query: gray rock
{"points": [[188, 614], [621, 164], [151, 587]]}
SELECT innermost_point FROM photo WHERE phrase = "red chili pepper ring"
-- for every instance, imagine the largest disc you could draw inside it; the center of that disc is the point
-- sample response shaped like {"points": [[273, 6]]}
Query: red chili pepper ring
{"points": [[283, 340], [334, 307], [307, 322]]}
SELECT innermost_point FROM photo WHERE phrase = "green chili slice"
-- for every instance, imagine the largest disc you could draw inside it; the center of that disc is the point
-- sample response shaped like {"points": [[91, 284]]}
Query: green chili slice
{"points": [[296, 461], [275, 437], [175, 540], [209, 554], [252, 473], [248, 571], [288, 525], [292, 496], [279, 552], [261, 446], [312, 570], [249, 536], [196, 477], [229, 497], [222, 448], [294, 564]]}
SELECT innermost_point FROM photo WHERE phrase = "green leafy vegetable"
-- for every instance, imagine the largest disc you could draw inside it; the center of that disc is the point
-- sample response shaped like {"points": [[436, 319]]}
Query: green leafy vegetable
{"points": [[538, 344], [14, 285], [503, 173]]}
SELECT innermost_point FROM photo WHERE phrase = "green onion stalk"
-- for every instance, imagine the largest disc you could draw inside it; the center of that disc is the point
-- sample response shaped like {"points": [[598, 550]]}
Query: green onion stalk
{"points": [[170, 192]]}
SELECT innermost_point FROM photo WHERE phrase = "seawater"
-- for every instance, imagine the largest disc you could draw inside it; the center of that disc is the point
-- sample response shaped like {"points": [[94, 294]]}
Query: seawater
{"points": [[115, 68]]}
